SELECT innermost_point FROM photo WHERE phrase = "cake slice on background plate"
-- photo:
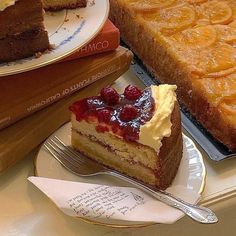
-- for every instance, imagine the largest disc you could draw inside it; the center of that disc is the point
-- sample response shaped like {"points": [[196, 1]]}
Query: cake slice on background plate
{"points": [[22, 33], [137, 132], [55, 5]]}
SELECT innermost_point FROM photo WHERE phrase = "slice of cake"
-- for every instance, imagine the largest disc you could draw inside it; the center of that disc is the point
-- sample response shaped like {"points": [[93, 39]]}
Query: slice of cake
{"points": [[55, 5], [137, 133], [22, 32], [193, 45]]}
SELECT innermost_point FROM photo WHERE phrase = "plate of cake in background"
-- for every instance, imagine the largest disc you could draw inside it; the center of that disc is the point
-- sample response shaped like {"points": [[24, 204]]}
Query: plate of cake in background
{"points": [[35, 35]]}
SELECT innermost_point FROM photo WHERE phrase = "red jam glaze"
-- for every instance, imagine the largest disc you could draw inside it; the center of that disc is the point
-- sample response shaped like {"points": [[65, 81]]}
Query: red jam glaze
{"points": [[124, 117]]}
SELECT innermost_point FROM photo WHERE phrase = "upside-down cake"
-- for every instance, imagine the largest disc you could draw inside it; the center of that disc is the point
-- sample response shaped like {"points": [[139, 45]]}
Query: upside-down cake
{"points": [[190, 43]]}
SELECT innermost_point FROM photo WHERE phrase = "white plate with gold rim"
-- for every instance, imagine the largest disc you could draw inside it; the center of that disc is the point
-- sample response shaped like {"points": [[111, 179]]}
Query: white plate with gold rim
{"points": [[68, 31], [191, 173]]}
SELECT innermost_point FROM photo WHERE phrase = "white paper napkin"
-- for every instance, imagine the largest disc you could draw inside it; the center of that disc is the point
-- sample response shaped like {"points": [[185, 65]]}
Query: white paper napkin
{"points": [[104, 202]]}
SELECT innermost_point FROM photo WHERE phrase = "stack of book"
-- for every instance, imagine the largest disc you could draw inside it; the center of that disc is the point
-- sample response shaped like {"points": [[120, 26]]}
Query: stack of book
{"points": [[26, 98]]}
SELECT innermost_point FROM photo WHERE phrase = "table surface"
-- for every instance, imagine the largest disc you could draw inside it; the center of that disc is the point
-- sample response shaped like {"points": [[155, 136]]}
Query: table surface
{"points": [[25, 211]]}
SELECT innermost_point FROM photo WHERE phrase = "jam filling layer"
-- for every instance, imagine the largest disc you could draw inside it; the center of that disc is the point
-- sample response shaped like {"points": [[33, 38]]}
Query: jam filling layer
{"points": [[121, 114], [131, 161]]}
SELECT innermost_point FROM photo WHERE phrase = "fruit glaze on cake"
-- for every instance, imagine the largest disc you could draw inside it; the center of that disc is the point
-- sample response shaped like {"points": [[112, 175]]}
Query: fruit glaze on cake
{"points": [[22, 33], [193, 45], [137, 132]]}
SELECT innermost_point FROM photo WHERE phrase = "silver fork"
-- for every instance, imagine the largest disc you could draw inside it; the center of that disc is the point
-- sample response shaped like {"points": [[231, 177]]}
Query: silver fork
{"points": [[80, 165]]}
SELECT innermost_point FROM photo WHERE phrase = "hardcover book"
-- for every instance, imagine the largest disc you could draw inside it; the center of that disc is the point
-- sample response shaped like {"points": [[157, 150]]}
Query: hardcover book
{"points": [[108, 39], [22, 137], [23, 94]]}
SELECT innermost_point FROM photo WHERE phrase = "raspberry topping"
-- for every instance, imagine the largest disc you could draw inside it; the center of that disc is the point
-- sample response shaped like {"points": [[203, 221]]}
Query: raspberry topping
{"points": [[104, 115], [128, 113], [110, 96], [116, 113], [79, 108], [132, 92]]}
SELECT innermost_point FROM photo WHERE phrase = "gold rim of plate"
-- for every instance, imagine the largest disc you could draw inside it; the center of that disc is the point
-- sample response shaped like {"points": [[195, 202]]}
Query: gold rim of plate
{"points": [[143, 224]]}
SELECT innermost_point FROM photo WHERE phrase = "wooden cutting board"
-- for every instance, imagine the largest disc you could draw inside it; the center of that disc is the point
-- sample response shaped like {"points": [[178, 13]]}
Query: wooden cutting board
{"points": [[19, 139]]}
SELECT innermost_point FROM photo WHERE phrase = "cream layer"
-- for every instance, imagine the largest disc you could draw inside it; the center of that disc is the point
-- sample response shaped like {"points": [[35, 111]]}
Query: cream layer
{"points": [[153, 131]]}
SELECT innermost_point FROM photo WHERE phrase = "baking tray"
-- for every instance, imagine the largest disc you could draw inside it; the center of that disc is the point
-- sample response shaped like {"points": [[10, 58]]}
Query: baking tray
{"points": [[214, 149]]}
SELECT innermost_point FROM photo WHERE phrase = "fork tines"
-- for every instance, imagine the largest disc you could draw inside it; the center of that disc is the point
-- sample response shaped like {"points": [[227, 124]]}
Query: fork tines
{"points": [[66, 150], [69, 158]]}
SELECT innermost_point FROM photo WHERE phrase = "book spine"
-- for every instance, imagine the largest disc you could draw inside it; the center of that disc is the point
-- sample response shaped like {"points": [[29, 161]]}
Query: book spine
{"points": [[62, 90], [104, 42]]}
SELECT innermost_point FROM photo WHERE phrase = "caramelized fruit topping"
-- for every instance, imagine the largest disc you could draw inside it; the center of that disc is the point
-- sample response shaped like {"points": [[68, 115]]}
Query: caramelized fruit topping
{"points": [[199, 37], [175, 19], [177, 16], [226, 33], [219, 12], [150, 5]]}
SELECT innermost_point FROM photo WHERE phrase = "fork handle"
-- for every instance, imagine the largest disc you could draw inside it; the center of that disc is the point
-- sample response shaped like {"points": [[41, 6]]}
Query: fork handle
{"points": [[198, 213]]}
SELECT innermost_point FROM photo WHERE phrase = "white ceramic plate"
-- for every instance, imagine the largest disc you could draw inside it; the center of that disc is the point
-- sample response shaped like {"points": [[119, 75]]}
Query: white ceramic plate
{"points": [[68, 31], [191, 173]]}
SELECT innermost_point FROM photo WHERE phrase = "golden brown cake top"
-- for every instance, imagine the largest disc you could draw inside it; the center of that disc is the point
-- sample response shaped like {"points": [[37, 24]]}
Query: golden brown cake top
{"points": [[201, 35]]}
